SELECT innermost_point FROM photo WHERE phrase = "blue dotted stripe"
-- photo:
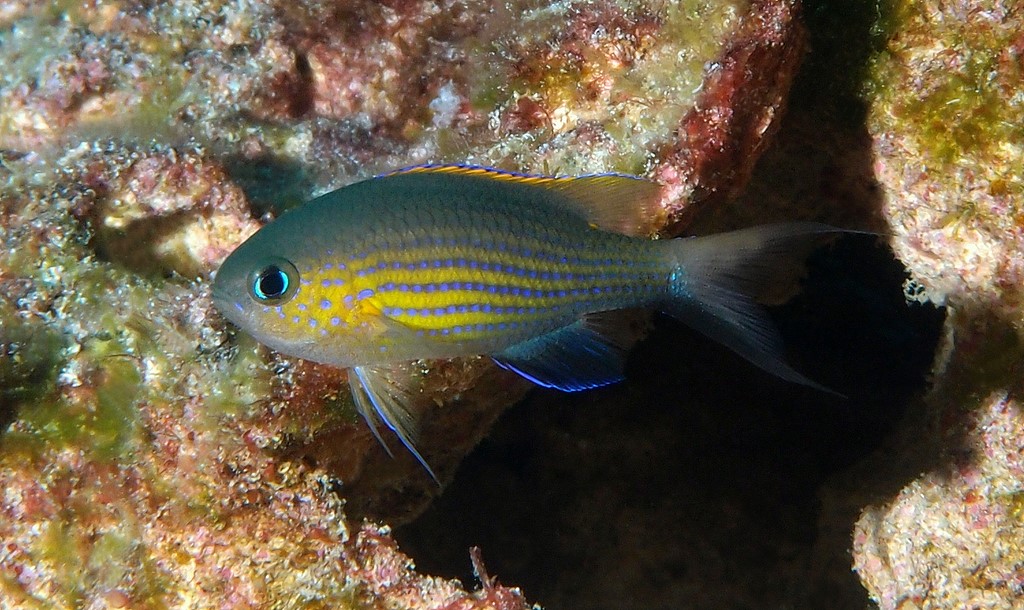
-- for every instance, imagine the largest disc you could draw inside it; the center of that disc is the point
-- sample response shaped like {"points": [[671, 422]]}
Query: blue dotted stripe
{"points": [[479, 328], [486, 308], [627, 274], [484, 265], [639, 285], [552, 252]]}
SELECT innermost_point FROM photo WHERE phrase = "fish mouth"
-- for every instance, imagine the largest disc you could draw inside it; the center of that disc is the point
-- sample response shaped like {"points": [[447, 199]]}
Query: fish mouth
{"points": [[222, 301], [228, 306]]}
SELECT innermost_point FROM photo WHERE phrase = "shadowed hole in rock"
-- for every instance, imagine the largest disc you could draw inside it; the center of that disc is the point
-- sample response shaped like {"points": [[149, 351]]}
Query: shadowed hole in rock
{"points": [[271, 183], [694, 483], [134, 245]]}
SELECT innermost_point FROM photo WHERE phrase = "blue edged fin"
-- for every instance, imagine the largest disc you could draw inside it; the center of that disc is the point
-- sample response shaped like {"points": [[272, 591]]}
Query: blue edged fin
{"points": [[381, 397], [614, 202], [716, 279], [576, 357]]}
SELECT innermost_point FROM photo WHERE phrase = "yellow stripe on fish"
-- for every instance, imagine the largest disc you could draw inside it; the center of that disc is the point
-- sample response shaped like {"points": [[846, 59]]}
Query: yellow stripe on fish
{"points": [[443, 290]]}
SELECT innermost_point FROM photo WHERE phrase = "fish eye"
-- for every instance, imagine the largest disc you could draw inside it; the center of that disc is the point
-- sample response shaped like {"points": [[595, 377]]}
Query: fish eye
{"points": [[274, 282]]}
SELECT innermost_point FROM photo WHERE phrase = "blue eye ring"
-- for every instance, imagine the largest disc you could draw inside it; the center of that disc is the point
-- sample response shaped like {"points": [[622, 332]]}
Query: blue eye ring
{"points": [[274, 282]]}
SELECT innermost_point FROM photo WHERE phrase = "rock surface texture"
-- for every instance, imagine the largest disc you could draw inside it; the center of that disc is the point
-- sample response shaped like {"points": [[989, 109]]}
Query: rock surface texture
{"points": [[947, 123]]}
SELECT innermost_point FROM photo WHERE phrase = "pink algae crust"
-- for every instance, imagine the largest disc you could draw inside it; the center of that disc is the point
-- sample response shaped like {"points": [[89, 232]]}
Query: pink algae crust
{"points": [[953, 537]]}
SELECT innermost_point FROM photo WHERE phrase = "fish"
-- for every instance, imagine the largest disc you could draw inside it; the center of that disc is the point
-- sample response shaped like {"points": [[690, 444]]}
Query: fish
{"points": [[444, 261]]}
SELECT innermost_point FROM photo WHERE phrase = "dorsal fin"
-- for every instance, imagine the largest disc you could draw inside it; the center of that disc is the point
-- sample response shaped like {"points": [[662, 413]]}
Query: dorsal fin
{"points": [[614, 202]]}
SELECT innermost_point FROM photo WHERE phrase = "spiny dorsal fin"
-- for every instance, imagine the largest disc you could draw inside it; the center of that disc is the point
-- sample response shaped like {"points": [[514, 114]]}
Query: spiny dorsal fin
{"points": [[614, 202]]}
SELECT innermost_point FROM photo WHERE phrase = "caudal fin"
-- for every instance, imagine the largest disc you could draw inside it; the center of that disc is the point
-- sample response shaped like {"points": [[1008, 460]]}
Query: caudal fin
{"points": [[717, 280]]}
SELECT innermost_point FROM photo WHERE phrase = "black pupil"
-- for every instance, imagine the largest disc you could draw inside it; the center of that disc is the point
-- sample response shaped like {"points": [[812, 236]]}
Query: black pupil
{"points": [[272, 282]]}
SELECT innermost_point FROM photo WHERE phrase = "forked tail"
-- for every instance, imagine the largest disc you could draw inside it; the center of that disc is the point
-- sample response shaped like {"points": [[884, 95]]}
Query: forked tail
{"points": [[717, 279]]}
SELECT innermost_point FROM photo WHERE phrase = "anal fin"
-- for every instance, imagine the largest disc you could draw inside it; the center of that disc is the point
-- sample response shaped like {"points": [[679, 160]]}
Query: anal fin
{"points": [[576, 357]]}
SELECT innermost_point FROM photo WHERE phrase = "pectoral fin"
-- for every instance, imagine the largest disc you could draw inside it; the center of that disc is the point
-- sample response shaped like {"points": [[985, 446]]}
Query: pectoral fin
{"points": [[382, 395]]}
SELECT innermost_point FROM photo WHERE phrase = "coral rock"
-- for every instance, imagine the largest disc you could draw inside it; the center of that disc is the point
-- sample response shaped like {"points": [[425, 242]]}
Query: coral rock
{"points": [[946, 120]]}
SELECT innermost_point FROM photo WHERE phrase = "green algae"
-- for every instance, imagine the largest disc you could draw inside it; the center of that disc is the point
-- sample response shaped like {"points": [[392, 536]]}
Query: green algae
{"points": [[104, 423], [1015, 503], [964, 110], [117, 557], [60, 547], [243, 385], [101, 417], [153, 117], [29, 359], [104, 426], [114, 426], [110, 560], [111, 555], [965, 114]]}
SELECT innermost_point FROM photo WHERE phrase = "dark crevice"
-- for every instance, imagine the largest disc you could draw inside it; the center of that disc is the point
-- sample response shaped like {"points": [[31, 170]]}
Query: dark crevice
{"points": [[302, 99], [29, 361], [271, 183], [122, 246]]}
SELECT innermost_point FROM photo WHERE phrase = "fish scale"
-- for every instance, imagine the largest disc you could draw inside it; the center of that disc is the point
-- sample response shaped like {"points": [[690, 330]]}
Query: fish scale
{"points": [[447, 261], [469, 271]]}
